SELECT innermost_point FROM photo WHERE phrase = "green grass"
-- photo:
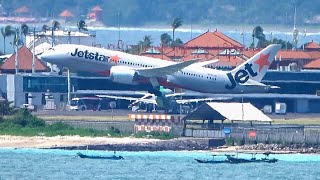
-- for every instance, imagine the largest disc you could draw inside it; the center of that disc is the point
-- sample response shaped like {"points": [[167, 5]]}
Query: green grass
{"points": [[298, 121], [25, 124], [84, 118]]}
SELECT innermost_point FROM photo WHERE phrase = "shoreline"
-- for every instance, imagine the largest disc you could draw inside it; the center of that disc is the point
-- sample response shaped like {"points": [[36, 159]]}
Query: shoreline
{"points": [[142, 144]]}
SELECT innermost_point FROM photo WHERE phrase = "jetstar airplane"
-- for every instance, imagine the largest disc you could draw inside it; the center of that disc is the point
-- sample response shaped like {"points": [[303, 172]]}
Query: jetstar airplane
{"points": [[192, 75]]}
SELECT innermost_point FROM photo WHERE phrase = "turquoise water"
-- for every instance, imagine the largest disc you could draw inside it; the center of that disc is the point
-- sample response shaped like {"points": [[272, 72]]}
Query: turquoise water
{"points": [[63, 164]]}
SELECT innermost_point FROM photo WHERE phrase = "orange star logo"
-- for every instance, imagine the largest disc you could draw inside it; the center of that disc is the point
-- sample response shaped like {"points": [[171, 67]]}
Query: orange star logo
{"points": [[263, 61], [115, 59]]}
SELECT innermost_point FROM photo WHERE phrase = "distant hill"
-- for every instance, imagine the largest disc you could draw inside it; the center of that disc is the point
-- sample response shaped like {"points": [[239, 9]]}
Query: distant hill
{"points": [[146, 12]]}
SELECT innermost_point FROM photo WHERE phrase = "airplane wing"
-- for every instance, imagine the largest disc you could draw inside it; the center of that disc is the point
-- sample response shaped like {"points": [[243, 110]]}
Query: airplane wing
{"points": [[118, 97], [165, 70], [134, 99], [184, 101], [204, 63]]}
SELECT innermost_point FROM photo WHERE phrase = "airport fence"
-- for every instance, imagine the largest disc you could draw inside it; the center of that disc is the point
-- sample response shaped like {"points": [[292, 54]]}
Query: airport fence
{"points": [[276, 135]]}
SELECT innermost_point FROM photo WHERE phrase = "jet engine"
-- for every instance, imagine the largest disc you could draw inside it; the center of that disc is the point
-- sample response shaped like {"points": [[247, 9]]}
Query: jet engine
{"points": [[122, 74]]}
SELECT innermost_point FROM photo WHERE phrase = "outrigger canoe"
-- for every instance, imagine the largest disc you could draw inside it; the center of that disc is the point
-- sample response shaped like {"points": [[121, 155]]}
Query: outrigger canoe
{"points": [[235, 160], [114, 157]]}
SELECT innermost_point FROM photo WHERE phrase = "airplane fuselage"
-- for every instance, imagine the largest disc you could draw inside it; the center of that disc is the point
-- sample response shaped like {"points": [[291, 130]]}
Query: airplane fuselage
{"points": [[196, 78]]}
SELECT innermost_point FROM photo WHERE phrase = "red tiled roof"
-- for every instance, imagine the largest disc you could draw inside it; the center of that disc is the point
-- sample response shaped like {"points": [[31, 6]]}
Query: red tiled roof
{"points": [[23, 9], [178, 52], [311, 45], [97, 8], [313, 54], [214, 39], [315, 64], [66, 13], [228, 61], [198, 56], [250, 52], [284, 54], [159, 56], [24, 62]]}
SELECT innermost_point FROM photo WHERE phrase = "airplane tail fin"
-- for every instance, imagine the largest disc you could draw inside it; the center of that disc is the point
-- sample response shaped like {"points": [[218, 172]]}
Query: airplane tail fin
{"points": [[258, 65]]}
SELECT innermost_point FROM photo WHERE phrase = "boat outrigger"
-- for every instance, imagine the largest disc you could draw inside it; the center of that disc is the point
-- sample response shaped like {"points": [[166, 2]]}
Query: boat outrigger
{"points": [[231, 159], [113, 157]]}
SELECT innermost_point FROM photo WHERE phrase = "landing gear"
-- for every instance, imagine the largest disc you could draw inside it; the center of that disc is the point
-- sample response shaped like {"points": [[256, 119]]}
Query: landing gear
{"points": [[155, 91]]}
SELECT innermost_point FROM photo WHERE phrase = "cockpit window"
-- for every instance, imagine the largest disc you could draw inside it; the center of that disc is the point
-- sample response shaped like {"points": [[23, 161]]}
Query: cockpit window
{"points": [[51, 48]]}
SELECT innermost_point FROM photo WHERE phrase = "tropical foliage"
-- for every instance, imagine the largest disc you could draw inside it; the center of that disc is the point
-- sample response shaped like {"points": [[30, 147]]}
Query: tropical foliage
{"points": [[176, 23], [6, 31]]}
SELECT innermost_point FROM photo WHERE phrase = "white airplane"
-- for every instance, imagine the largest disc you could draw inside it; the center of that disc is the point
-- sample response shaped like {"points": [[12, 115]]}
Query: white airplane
{"points": [[192, 75]]}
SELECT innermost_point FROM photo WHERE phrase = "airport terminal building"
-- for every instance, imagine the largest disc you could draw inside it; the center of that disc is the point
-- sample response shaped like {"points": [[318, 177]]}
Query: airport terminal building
{"points": [[298, 79]]}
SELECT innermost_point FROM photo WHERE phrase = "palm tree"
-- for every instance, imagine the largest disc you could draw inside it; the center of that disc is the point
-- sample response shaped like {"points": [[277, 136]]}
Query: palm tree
{"points": [[55, 26], [82, 26], [165, 39], [178, 42], [45, 28], [145, 43], [258, 33], [24, 29], [177, 22], [6, 31]]}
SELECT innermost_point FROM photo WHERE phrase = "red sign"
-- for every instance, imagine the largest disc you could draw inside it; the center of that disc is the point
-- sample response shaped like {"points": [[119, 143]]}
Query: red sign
{"points": [[252, 134]]}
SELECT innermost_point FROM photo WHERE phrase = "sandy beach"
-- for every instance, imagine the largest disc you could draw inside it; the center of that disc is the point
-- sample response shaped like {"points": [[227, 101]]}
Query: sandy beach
{"points": [[63, 141], [139, 144]]}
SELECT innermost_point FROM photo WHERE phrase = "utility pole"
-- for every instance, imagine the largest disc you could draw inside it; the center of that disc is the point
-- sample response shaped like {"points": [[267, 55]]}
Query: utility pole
{"points": [[33, 50], [69, 87]]}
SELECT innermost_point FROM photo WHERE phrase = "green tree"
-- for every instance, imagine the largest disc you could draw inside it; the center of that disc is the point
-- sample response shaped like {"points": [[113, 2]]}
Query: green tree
{"points": [[258, 33], [284, 44], [176, 23], [45, 28], [165, 39], [24, 29], [145, 43], [5, 108], [55, 26], [6, 31], [82, 26], [178, 42]]}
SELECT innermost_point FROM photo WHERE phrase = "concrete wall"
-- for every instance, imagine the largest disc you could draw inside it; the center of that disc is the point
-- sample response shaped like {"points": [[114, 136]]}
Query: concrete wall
{"points": [[288, 135], [204, 133]]}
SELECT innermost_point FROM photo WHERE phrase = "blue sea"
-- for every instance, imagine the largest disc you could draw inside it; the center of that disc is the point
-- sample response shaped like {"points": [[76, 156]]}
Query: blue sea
{"points": [[64, 164]]}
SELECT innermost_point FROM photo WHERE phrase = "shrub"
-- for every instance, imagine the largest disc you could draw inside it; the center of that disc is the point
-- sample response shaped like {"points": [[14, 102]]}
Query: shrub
{"points": [[5, 108], [60, 126], [230, 141], [24, 118], [114, 130]]}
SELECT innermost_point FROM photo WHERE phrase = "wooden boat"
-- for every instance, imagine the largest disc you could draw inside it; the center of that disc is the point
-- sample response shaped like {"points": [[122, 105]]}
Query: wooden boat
{"points": [[211, 161], [231, 159], [114, 157], [235, 160]]}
